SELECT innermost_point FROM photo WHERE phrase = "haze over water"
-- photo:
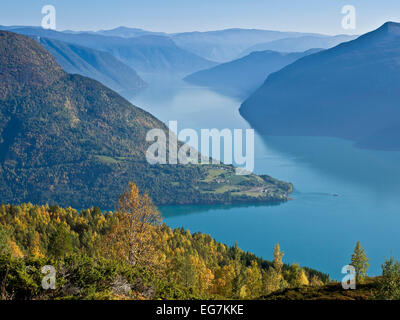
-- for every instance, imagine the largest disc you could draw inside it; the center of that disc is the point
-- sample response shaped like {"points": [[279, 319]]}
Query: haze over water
{"points": [[342, 194]]}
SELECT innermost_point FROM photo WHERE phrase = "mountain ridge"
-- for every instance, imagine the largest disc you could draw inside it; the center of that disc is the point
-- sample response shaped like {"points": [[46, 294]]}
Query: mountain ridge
{"points": [[144, 54], [299, 44], [68, 139], [255, 67], [98, 65], [335, 92]]}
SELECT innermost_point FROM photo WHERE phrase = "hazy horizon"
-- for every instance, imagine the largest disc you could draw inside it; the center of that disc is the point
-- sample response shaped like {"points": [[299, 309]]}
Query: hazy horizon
{"points": [[176, 16], [190, 31]]}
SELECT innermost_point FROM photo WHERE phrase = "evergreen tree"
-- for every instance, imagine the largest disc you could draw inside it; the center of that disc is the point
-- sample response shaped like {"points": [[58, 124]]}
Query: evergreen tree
{"points": [[359, 261]]}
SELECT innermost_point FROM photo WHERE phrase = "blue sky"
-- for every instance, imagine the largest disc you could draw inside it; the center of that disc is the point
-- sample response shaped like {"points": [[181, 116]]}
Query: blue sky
{"points": [[323, 16]]}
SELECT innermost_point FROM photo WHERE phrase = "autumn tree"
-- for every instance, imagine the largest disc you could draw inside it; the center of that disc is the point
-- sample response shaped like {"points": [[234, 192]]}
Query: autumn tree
{"points": [[35, 247], [4, 241], [132, 237], [275, 273], [238, 282], [315, 281], [278, 255], [204, 275], [254, 280], [296, 276], [273, 279], [223, 282], [360, 261]]}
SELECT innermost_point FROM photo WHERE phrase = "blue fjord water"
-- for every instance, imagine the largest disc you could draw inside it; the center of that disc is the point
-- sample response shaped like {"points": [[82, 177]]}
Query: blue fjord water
{"points": [[342, 194]]}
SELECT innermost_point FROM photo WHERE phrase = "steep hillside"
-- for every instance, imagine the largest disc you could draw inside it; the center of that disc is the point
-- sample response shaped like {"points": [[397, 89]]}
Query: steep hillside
{"points": [[145, 54], [351, 91], [243, 76], [98, 65], [299, 44], [87, 248], [68, 139]]}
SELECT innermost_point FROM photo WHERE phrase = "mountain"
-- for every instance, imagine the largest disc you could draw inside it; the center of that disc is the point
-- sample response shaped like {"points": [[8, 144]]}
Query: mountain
{"points": [[98, 65], [157, 54], [299, 44], [226, 45], [351, 91], [67, 138], [125, 32], [145, 54], [254, 69]]}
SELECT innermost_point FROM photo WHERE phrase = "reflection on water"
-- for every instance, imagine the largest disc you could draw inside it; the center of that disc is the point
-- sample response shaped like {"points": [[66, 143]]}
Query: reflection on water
{"points": [[342, 194], [378, 171], [179, 211]]}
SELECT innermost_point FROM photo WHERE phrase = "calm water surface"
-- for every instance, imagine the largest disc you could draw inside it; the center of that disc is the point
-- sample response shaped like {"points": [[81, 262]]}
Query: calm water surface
{"points": [[316, 228]]}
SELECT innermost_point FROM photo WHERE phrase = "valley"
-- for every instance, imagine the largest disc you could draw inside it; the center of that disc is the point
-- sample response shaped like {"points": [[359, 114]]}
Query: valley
{"points": [[74, 133]]}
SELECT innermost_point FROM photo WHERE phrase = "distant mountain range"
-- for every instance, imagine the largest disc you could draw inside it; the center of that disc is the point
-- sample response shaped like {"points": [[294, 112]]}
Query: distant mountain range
{"points": [[299, 44], [145, 53], [243, 76], [125, 32], [98, 65], [67, 139], [220, 45], [226, 45], [350, 91]]}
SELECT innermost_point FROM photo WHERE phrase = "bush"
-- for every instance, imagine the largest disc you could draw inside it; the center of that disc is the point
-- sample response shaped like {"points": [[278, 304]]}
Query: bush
{"points": [[389, 284]]}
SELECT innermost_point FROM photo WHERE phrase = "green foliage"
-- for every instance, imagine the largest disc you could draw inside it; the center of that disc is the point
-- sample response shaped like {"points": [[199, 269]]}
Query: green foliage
{"points": [[74, 142], [359, 261], [192, 266], [62, 241], [296, 276], [4, 241], [389, 283], [278, 255]]}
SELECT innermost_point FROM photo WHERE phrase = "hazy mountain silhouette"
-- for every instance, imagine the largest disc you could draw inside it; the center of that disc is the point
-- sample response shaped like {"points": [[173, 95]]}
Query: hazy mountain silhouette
{"points": [[242, 76], [145, 54], [299, 44], [98, 65], [126, 32], [350, 91], [226, 45]]}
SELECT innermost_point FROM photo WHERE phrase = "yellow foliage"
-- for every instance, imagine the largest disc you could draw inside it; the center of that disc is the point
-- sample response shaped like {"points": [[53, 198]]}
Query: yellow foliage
{"points": [[204, 274], [131, 238], [15, 250], [302, 279], [35, 247]]}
